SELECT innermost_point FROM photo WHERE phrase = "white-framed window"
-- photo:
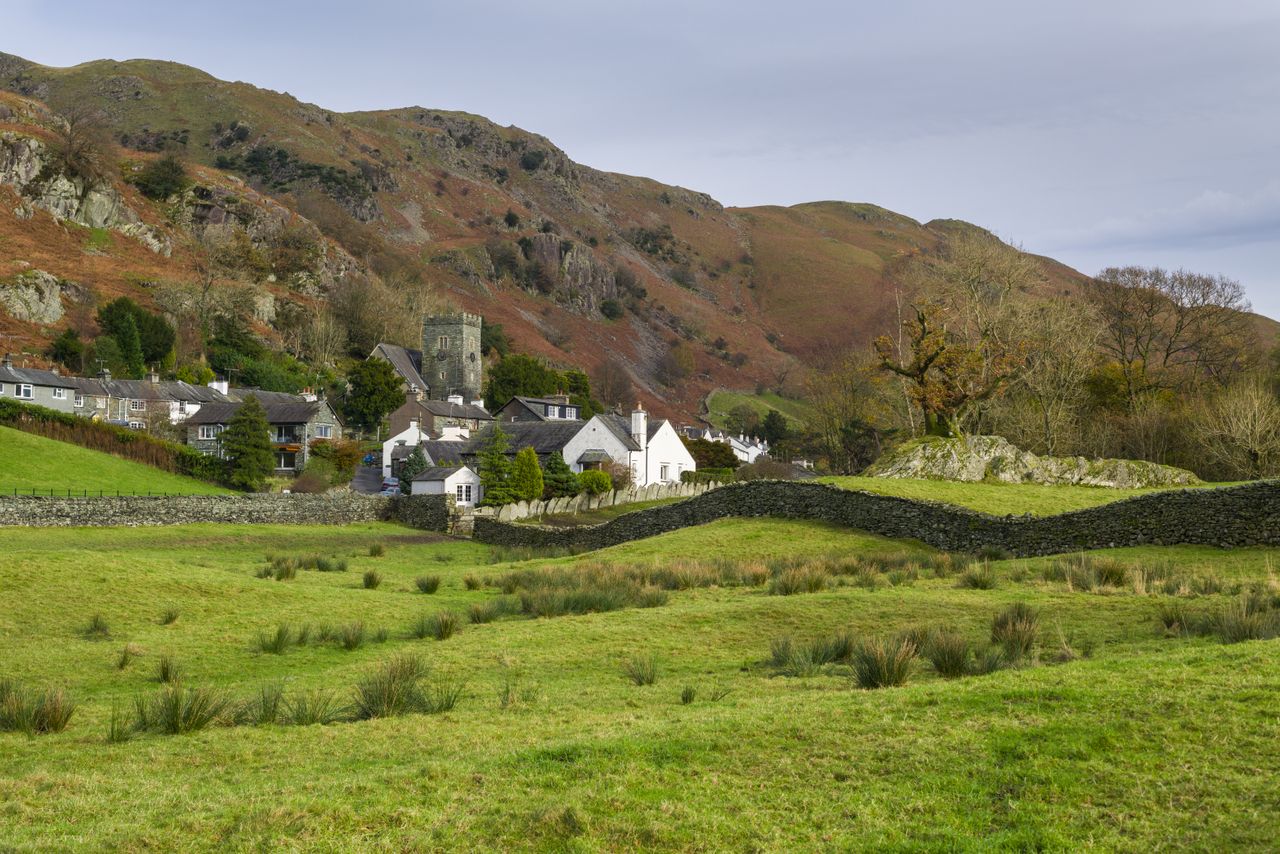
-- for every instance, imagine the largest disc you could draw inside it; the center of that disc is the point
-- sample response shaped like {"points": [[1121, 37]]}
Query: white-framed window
{"points": [[1, 389], [79, 401], [324, 431], [59, 394], [286, 460], [663, 471], [464, 493], [137, 425], [182, 407], [137, 406], [210, 431], [23, 391]]}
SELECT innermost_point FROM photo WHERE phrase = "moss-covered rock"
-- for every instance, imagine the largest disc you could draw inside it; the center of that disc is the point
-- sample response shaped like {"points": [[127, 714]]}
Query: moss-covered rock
{"points": [[974, 459]]}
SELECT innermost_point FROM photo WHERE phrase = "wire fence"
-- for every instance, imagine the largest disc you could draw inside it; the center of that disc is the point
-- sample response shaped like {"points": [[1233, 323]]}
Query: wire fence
{"points": [[51, 492]]}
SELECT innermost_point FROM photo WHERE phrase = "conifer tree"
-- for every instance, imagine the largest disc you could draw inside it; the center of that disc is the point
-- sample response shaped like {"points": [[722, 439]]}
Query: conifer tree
{"points": [[130, 347], [414, 465], [246, 446], [526, 476], [558, 479], [495, 469]]}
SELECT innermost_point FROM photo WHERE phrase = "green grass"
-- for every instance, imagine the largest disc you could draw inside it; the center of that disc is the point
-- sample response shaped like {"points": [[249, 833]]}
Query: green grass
{"points": [[34, 462], [721, 402], [595, 517], [999, 499], [1154, 741]]}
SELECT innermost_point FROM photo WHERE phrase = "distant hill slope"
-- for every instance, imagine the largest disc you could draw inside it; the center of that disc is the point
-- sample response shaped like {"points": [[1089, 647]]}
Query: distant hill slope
{"points": [[34, 462], [497, 219]]}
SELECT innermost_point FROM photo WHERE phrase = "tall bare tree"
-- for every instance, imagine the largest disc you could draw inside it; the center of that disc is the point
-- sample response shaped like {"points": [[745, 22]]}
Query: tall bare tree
{"points": [[1238, 429]]}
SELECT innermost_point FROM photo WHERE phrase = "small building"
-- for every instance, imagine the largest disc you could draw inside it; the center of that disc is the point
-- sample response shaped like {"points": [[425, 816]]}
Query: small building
{"points": [[459, 481], [400, 446], [41, 388], [292, 426], [747, 449], [553, 408], [141, 404]]}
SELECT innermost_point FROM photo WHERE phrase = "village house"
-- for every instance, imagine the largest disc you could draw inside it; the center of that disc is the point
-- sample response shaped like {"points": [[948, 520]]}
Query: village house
{"points": [[141, 404], [292, 425], [435, 416], [555, 407], [747, 449], [41, 388]]}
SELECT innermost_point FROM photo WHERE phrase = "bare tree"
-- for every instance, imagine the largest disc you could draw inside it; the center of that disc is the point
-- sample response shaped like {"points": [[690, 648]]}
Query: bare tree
{"points": [[1238, 429], [1167, 330], [82, 144], [612, 383]]}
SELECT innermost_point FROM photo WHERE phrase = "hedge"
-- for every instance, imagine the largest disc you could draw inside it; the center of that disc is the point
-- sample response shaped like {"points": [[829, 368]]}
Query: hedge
{"points": [[112, 439]]}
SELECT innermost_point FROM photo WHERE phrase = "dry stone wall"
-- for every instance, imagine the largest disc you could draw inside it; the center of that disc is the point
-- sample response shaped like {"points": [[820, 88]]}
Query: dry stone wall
{"points": [[430, 512], [1227, 517], [584, 502]]}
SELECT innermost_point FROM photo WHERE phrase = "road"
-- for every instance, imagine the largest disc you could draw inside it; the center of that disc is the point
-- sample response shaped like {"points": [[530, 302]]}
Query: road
{"points": [[368, 480]]}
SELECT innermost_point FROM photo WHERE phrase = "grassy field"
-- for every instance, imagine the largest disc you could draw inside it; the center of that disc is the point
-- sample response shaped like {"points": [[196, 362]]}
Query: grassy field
{"points": [[721, 402], [1146, 739], [43, 464], [999, 499]]}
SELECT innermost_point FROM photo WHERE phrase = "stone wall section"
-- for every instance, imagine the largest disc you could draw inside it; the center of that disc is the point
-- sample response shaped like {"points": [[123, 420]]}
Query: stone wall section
{"points": [[1226, 517], [429, 512]]}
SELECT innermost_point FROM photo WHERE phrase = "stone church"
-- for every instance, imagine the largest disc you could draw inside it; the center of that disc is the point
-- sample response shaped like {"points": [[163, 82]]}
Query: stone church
{"points": [[448, 365]]}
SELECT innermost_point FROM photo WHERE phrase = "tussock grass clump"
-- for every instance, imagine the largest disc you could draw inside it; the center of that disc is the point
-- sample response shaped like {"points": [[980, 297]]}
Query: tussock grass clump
{"points": [[34, 712], [989, 661], [178, 709], [427, 583], [97, 628], [128, 653], [949, 652], [284, 571], [1247, 619], [978, 576], [396, 688], [688, 694], [881, 663], [641, 668], [440, 626], [1176, 619], [800, 660], [381, 635], [990, 553], [372, 579], [472, 582], [377, 550], [276, 642], [789, 582], [308, 708], [1015, 630], [265, 707], [351, 636], [169, 616], [168, 670], [119, 729], [492, 609]]}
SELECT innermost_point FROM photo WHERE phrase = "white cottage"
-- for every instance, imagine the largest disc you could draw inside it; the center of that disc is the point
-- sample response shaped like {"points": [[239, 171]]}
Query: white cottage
{"points": [[652, 450], [459, 481]]}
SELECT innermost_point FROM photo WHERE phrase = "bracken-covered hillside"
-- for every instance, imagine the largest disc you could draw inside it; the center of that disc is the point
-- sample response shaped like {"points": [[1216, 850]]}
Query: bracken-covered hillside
{"points": [[494, 220]]}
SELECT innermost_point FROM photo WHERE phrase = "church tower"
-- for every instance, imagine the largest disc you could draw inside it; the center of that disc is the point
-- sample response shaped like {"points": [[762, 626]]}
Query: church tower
{"points": [[451, 355]]}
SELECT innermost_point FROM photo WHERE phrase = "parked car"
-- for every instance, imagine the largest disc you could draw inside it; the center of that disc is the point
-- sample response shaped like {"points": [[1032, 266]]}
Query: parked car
{"points": [[389, 482], [391, 491]]}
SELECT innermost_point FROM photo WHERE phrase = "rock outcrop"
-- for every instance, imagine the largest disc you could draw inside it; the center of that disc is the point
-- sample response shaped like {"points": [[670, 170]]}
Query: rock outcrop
{"points": [[34, 296], [975, 459], [25, 165]]}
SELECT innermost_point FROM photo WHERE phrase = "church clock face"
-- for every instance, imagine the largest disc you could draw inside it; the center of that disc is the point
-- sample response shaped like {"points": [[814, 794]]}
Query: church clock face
{"points": [[441, 356], [471, 356]]}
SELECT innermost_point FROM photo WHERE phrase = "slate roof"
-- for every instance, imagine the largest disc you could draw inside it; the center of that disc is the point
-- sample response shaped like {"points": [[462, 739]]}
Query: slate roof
{"points": [[277, 413], [621, 427], [264, 397], [407, 363], [35, 377], [147, 390], [594, 456], [436, 473], [537, 406], [440, 452], [445, 409]]}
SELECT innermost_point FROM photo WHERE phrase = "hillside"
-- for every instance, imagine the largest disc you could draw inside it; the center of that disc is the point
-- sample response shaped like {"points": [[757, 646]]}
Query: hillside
{"points": [[386, 213], [36, 463]]}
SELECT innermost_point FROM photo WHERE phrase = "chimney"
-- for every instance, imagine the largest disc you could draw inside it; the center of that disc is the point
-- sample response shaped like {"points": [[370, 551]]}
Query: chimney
{"points": [[104, 374], [559, 398], [7, 361], [153, 377], [479, 403], [219, 386], [640, 426], [309, 395], [455, 398]]}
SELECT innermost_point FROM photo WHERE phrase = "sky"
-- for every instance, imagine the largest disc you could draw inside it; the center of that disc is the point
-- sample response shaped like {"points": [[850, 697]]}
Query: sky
{"points": [[1099, 133]]}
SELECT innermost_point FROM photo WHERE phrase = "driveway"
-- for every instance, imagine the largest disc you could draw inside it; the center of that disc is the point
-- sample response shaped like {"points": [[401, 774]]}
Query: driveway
{"points": [[368, 480]]}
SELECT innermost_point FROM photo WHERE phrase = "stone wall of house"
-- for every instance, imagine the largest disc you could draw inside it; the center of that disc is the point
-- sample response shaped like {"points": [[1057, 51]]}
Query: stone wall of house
{"points": [[429, 512], [1226, 517]]}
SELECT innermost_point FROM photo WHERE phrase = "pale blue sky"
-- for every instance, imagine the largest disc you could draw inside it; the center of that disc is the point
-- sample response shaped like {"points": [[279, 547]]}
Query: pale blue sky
{"points": [[1127, 131]]}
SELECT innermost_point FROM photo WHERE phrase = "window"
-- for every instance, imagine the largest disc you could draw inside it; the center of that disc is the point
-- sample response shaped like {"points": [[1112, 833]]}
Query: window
{"points": [[663, 472], [210, 431], [324, 431], [442, 375], [23, 391], [137, 406], [286, 460], [1, 389], [59, 394], [464, 493], [443, 343], [182, 407], [79, 401], [137, 425], [286, 433]]}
